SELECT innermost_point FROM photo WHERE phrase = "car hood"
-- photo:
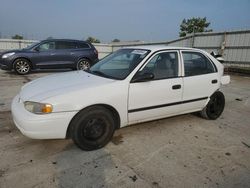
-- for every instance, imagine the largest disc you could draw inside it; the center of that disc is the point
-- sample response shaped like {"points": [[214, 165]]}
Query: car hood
{"points": [[59, 84], [15, 50]]}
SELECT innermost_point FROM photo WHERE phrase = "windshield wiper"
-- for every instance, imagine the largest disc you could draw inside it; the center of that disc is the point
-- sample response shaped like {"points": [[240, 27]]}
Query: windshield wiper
{"points": [[102, 74], [87, 70]]}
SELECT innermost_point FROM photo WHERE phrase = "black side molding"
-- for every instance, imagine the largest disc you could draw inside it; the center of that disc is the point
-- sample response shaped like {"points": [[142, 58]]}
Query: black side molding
{"points": [[165, 105]]}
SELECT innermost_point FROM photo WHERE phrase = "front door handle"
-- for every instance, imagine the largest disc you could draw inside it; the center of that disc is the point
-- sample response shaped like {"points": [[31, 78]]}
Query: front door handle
{"points": [[52, 54], [214, 81], [176, 86]]}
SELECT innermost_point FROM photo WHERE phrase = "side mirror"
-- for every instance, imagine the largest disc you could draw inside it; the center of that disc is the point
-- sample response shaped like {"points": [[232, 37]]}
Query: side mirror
{"points": [[143, 77], [36, 49]]}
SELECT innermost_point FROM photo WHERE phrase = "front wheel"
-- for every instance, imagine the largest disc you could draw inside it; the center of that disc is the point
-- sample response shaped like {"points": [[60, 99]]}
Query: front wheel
{"points": [[22, 66], [92, 128], [215, 106], [83, 64]]}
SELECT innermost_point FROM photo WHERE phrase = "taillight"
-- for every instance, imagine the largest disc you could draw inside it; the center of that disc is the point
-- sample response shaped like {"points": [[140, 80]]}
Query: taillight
{"points": [[96, 52]]}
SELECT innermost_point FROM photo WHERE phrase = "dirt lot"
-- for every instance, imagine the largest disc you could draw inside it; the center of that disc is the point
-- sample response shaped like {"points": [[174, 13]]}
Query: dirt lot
{"points": [[183, 151]]}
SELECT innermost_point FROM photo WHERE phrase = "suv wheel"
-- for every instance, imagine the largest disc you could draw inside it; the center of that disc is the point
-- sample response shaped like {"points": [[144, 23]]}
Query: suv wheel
{"points": [[92, 128], [215, 106], [22, 66], [83, 64]]}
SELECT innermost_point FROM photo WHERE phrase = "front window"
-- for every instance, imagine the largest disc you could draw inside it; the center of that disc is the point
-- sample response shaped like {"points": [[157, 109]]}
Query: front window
{"points": [[119, 64], [46, 46], [163, 65]]}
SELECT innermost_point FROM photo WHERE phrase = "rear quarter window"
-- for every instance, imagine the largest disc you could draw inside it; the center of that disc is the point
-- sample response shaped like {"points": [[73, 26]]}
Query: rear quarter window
{"points": [[83, 45]]}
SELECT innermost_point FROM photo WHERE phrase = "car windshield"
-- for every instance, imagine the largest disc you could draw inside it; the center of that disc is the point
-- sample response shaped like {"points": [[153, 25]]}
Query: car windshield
{"points": [[119, 64], [32, 45]]}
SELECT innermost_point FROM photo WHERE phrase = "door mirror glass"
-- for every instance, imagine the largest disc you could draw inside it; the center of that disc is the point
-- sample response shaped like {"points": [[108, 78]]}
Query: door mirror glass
{"points": [[36, 49], [143, 77]]}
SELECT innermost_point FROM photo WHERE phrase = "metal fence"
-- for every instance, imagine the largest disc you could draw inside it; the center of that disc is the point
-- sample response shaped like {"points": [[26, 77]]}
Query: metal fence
{"points": [[233, 46]]}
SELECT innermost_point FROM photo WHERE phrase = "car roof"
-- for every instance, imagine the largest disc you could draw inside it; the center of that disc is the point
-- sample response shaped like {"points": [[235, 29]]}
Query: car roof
{"points": [[68, 40], [159, 47]]}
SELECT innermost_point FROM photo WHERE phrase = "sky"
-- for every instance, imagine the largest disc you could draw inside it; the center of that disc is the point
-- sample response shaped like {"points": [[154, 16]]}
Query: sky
{"points": [[127, 20]]}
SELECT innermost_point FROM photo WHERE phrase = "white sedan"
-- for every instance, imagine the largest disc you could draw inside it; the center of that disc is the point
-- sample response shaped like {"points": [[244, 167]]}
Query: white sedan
{"points": [[129, 86]]}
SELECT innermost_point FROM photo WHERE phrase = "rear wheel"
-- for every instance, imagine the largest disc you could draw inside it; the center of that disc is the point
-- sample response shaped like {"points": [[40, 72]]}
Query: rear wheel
{"points": [[92, 128], [83, 64], [22, 66], [215, 106]]}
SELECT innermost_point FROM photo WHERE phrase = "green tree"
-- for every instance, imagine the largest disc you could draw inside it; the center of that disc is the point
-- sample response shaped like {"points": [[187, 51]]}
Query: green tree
{"points": [[20, 37], [116, 40], [194, 25], [93, 40]]}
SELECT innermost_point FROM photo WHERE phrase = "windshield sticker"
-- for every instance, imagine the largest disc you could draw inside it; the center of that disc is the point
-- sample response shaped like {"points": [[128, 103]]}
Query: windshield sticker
{"points": [[140, 52]]}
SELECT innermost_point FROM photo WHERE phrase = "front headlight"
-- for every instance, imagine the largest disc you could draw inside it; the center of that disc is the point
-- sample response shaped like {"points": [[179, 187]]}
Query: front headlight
{"points": [[4, 56], [38, 108]]}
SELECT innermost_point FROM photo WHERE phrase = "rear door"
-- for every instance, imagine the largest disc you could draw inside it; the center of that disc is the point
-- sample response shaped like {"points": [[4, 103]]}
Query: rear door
{"points": [[200, 80], [65, 55], [160, 97]]}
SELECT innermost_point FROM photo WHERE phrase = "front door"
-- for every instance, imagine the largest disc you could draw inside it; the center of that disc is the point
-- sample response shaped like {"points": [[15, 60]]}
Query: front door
{"points": [[43, 55], [161, 96]]}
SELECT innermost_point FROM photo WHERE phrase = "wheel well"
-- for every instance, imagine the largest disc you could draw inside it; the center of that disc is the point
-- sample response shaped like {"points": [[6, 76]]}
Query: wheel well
{"points": [[110, 108], [22, 58], [84, 58]]}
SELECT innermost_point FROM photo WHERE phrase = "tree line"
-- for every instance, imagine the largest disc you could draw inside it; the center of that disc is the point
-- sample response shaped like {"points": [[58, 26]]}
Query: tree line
{"points": [[187, 26]]}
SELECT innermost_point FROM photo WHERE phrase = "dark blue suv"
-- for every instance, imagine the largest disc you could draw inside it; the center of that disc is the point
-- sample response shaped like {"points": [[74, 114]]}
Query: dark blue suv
{"points": [[50, 54]]}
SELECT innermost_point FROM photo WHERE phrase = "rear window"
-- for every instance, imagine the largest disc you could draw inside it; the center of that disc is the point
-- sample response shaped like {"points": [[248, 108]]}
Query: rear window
{"points": [[196, 64], [83, 45]]}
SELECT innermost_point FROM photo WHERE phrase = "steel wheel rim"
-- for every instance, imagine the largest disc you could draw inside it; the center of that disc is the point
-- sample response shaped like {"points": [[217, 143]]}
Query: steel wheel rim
{"points": [[215, 106], [22, 67], [83, 65], [94, 129]]}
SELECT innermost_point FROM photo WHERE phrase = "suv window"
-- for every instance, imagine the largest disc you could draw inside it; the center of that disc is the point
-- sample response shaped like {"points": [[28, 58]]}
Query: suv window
{"points": [[46, 46], [82, 45], [196, 64], [163, 65], [66, 45]]}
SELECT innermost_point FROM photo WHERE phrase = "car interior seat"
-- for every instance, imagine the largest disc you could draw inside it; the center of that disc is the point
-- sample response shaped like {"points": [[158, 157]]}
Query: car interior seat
{"points": [[164, 68]]}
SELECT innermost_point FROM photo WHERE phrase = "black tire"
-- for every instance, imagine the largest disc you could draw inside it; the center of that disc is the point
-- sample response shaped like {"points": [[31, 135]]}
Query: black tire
{"points": [[22, 66], [83, 64], [215, 106], [92, 128]]}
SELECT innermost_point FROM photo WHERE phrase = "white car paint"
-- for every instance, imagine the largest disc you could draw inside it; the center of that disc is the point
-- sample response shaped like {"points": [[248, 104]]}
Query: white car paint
{"points": [[73, 91]]}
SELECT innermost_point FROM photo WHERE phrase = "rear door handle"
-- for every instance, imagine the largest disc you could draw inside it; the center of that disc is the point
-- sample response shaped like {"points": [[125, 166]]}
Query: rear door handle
{"points": [[214, 81], [176, 86], [52, 54]]}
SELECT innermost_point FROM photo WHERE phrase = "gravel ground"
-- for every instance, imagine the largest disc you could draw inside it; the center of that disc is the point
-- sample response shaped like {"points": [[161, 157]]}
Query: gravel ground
{"points": [[182, 151]]}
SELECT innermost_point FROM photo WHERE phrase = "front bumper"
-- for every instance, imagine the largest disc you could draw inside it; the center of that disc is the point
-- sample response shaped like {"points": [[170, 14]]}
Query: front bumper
{"points": [[5, 64], [47, 126]]}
